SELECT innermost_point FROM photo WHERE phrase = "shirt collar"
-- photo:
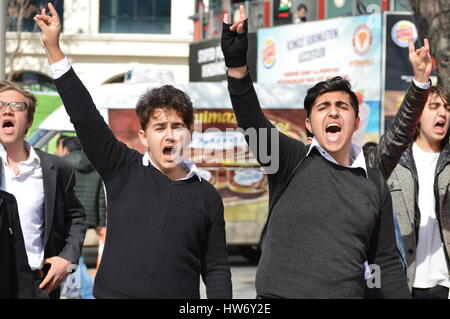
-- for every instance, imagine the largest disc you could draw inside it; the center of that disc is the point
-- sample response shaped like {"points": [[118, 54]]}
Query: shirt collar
{"points": [[189, 166], [356, 155], [32, 160]]}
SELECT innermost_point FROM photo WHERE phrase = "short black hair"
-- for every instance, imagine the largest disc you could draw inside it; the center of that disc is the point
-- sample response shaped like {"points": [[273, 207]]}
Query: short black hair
{"points": [[308, 133], [334, 84], [167, 97], [302, 6], [72, 143], [62, 138]]}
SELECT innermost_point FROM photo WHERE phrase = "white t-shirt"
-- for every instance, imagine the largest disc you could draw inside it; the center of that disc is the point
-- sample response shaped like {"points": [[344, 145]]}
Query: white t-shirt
{"points": [[431, 266]]}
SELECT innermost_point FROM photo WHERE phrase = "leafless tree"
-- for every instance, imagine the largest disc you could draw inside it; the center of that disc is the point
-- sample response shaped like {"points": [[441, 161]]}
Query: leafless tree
{"points": [[18, 10], [433, 19]]}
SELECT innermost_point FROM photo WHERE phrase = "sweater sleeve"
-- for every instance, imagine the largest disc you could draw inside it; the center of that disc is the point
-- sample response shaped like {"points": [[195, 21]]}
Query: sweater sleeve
{"points": [[215, 266], [285, 152], [383, 254], [397, 138], [105, 152]]}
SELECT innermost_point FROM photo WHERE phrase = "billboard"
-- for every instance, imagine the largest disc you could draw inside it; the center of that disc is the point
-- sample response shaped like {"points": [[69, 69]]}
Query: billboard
{"points": [[315, 51], [206, 62], [398, 73]]}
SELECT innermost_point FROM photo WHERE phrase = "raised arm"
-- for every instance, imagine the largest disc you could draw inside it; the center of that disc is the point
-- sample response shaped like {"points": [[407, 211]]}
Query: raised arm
{"points": [[284, 152], [51, 30], [106, 153], [399, 135]]}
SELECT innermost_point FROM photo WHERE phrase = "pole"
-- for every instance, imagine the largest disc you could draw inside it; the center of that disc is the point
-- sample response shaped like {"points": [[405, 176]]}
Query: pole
{"points": [[2, 39]]}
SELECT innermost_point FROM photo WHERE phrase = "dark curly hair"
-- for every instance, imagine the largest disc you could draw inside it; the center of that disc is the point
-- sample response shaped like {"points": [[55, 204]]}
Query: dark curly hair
{"points": [[334, 84], [167, 97]]}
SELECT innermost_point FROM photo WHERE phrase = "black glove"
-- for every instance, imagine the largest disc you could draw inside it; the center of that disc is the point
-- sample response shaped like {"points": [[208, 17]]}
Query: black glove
{"points": [[234, 46]]}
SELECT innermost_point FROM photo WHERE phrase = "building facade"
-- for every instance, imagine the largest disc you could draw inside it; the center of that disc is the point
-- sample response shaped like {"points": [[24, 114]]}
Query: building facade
{"points": [[106, 39]]}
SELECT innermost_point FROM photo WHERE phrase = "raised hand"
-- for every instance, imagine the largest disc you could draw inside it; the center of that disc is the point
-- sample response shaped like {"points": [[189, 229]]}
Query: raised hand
{"points": [[234, 40], [421, 61], [50, 31]]}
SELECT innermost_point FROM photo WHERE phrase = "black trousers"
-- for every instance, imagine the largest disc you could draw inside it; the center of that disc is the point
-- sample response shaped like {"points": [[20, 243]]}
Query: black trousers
{"points": [[42, 294], [437, 292]]}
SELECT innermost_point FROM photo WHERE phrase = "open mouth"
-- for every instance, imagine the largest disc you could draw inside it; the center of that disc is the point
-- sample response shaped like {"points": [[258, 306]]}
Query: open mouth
{"points": [[8, 127], [439, 126], [333, 132], [169, 152]]}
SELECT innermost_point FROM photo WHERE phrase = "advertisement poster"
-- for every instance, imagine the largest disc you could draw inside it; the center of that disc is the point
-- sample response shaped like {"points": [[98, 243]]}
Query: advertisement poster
{"points": [[399, 28], [207, 64], [315, 51]]}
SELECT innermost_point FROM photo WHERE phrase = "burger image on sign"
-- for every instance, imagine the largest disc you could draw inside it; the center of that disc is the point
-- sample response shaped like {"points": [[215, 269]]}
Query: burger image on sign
{"points": [[362, 39], [402, 31], [269, 53]]}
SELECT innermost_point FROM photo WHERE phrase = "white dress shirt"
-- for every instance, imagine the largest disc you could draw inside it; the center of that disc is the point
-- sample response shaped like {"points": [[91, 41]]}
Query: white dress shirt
{"points": [[187, 165], [28, 189]]}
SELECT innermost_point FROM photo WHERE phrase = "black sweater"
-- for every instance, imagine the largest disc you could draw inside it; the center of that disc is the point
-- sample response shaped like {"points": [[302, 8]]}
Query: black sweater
{"points": [[325, 221], [162, 234]]}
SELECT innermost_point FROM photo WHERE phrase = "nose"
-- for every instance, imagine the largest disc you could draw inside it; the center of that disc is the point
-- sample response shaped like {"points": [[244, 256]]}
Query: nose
{"points": [[169, 134], [334, 111], [441, 111]]}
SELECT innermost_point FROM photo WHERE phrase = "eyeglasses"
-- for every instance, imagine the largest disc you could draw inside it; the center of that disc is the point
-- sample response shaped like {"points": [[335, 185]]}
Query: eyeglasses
{"points": [[15, 106]]}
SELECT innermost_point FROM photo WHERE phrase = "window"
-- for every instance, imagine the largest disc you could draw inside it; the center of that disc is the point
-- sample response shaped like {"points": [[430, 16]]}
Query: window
{"points": [[28, 13], [135, 16]]}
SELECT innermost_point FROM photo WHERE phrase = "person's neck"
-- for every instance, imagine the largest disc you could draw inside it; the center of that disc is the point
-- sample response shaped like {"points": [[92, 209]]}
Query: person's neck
{"points": [[176, 173], [16, 152], [428, 146], [342, 157]]}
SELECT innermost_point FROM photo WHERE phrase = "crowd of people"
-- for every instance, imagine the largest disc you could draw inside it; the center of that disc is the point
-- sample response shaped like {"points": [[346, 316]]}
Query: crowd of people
{"points": [[336, 212]]}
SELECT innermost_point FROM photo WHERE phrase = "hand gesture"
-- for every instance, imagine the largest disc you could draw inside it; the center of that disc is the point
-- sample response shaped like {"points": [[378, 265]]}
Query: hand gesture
{"points": [[51, 29], [234, 40], [421, 61], [56, 275]]}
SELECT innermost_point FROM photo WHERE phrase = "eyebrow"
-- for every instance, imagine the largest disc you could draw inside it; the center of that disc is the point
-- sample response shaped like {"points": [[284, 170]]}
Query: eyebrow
{"points": [[327, 103], [165, 123]]}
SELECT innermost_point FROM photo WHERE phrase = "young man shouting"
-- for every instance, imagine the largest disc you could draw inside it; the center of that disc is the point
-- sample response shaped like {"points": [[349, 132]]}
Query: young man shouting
{"points": [[165, 224], [420, 189], [51, 217], [328, 212]]}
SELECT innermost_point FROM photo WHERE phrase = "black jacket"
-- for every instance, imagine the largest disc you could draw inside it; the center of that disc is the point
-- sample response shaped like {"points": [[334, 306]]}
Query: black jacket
{"points": [[16, 280], [64, 216], [89, 189]]}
